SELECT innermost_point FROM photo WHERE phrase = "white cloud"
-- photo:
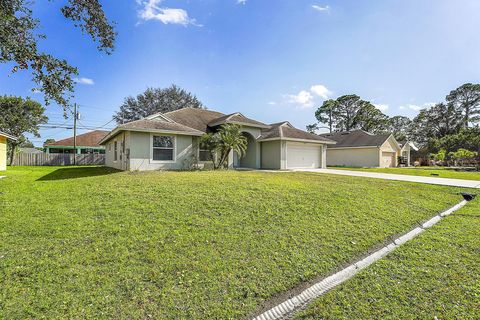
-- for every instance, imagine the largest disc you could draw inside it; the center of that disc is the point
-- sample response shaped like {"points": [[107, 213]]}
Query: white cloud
{"points": [[303, 99], [272, 103], [307, 98], [414, 107], [321, 8], [86, 81], [321, 91], [241, 1], [151, 10], [382, 107]]}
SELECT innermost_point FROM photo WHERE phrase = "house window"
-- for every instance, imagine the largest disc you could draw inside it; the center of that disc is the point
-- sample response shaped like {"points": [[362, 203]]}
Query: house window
{"points": [[109, 147], [204, 154], [115, 150], [163, 148]]}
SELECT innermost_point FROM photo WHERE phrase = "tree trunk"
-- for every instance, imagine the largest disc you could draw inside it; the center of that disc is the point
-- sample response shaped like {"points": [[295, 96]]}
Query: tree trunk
{"points": [[12, 153]]}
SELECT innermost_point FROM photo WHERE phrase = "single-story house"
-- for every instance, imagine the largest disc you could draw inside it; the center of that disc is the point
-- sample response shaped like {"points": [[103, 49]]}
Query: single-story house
{"points": [[170, 141], [87, 143], [406, 146], [362, 149], [3, 149]]}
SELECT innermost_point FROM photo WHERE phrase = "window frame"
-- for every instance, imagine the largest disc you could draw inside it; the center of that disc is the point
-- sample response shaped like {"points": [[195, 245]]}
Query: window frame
{"points": [[115, 150], [198, 155], [174, 150]]}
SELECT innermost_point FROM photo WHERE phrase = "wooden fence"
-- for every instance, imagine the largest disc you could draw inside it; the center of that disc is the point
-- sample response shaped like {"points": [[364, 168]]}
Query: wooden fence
{"points": [[44, 159]]}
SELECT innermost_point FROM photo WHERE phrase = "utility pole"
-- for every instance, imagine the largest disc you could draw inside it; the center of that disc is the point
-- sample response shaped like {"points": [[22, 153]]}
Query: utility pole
{"points": [[75, 116]]}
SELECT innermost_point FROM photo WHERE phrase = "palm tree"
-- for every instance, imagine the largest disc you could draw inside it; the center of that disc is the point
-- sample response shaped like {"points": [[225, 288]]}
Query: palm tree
{"points": [[228, 138]]}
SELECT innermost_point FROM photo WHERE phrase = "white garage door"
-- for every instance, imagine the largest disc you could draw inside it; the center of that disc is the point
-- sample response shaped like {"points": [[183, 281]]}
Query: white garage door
{"points": [[388, 159], [303, 155]]}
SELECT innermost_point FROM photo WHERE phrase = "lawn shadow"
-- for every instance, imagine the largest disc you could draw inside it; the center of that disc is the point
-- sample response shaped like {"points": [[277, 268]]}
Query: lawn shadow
{"points": [[77, 172]]}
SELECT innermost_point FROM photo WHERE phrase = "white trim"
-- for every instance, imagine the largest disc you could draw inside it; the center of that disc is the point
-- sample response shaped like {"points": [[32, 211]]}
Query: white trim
{"points": [[174, 149], [159, 115], [411, 145], [246, 124], [115, 131], [8, 136], [297, 140], [363, 147], [395, 140]]}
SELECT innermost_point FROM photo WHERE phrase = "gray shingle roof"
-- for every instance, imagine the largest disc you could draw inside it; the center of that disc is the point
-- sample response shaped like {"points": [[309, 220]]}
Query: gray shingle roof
{"points": [[357, 138], [236, 118], [145, 124], [194, 118], [285, 130]]}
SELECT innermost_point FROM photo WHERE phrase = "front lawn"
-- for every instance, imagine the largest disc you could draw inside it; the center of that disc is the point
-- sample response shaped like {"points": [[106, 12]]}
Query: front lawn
{"points": [[96, 243], [438, 172], [435, 276]]}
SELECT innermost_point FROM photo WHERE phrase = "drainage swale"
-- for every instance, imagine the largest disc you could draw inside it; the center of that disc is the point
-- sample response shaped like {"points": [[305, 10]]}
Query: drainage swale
{"points": [[288, 307]]}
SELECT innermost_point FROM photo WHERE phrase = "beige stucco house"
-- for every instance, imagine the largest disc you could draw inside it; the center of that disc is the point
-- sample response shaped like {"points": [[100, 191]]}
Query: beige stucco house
{"points": [[362, 149], [3, 149], [170, 141]]}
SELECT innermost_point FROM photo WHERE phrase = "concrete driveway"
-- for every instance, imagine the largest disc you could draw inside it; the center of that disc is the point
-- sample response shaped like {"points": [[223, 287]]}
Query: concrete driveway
{"points": [[400, 177]]}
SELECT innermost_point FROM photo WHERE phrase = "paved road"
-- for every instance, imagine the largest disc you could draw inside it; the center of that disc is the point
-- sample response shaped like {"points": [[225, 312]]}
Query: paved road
{"points": [[401, 177]]}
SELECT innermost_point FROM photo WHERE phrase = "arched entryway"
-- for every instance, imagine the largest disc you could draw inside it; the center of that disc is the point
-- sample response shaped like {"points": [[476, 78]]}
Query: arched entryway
{"points": [[249, 159]]}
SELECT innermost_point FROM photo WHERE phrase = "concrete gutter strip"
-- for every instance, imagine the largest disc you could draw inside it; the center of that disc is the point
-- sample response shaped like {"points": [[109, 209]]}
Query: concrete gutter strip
{"points": [[461, 183], [287, 308]]}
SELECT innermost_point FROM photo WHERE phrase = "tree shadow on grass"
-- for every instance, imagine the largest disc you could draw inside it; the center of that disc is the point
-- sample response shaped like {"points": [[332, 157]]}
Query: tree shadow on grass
{"points": [[77, 172]]}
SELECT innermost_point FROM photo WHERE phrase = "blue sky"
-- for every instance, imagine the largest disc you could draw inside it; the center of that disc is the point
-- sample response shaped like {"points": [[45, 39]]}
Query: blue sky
{"points": [[271, 60]]}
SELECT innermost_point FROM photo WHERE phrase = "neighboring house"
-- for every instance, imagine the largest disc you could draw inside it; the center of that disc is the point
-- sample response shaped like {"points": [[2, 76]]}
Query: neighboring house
{"points": [[86, 143], [171, 141], [406, 146], [3, 149], [362, 149], [29, 150]]}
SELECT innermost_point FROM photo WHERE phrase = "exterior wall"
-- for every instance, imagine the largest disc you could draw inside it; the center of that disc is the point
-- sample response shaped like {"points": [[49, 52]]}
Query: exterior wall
{"points": [[271, 154], [252, 158], [249, 160], [390, 146], [405, 152], [140, 153], [3, 153], [122, 162], [255, 132], [354, 157]]}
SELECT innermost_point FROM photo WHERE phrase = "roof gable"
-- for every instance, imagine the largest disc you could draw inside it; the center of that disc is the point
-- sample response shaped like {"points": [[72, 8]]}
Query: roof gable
{"points": [[194, 118], [285, 131], [237, 118]]}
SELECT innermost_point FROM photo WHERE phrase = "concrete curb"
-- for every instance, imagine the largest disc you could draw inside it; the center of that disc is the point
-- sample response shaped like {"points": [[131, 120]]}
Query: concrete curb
{"points": [[288, 307]]}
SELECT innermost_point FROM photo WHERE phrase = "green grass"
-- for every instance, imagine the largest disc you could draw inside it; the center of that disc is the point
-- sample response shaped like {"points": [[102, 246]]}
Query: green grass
{"points": [[423, 171], [96, 243], [434, 276]]}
